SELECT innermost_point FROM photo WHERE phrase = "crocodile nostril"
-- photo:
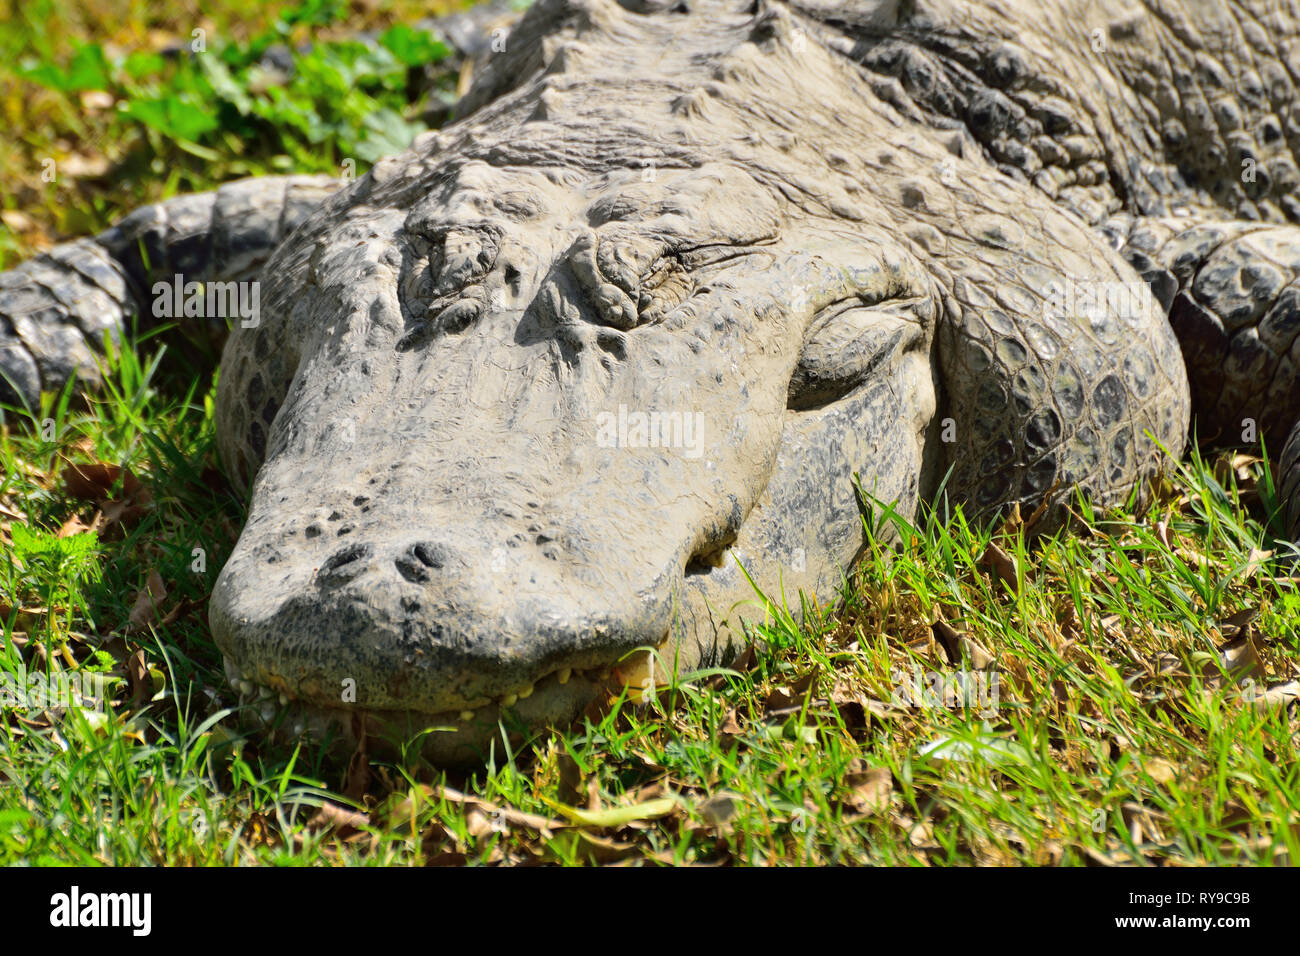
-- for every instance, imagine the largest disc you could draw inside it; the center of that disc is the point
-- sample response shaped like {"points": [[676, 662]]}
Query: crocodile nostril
{"points": [[344, 564], [432, 555], [415, 563]]}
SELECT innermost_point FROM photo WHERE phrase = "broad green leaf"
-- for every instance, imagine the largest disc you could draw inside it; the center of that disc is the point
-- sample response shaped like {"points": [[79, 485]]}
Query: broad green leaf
{"points": [[87, 70], [174, 118], [413, 47]]}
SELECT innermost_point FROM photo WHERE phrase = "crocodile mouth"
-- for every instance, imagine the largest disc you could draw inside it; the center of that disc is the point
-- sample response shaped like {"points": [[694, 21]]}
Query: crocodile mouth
{"points": [[454, 736]]}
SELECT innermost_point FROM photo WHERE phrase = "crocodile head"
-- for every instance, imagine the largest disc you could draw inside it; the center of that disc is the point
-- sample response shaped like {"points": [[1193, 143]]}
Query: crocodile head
{"points": [[539, 421], [542, 392]]}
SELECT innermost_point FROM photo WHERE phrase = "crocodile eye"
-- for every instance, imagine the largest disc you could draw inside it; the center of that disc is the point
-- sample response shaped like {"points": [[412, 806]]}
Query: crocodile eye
{"points": [[845, 344], [663, 288]]}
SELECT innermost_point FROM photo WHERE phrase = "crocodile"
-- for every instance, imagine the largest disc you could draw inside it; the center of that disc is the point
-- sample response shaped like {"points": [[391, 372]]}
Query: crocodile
{"points": [[692, 293]]}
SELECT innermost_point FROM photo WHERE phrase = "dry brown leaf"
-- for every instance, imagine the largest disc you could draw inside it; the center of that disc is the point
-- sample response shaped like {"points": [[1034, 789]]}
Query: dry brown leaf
{"points": [[342, 819], [948, 639], [869, 790], [1095, 857], [1143, 823], [1159, 769], [1239, 466], [1274, 697], [780, 699], [718, 809], [1168, 665], [784, 698], [1240, 658], [447, 858], [80, 166], [93, 481], [1237, 620], [17, 221], [145, 606], [571, 787], [1013, 521], [747, 660], [93, 101], [506, 814], [28, 617], [854, 710], [75, 525], [260, 831], [124, 511], [479, 823], [1040, 510], [921, 836], [1195, 558], [961, 647], [1002, 565], [730, 726], [1255, 562], [183, 606], [137, 673], [923, 645], [1061, 691]]}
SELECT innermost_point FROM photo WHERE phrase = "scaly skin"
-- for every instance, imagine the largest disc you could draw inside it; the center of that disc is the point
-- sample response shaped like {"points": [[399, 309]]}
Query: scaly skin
{"points": [[839, 234]]}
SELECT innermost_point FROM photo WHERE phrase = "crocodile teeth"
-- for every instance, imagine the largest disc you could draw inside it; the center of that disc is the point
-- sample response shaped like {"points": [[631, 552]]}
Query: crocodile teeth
{"points": [[525, 692], [246, 688], [467, 715], [509, 700], [564, 675], [284, 700], [267, 712]]}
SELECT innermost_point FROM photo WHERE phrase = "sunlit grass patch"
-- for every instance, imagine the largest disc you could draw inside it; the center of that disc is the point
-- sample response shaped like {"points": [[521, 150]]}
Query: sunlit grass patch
{"points": [[1121, 693], [115, 103]]}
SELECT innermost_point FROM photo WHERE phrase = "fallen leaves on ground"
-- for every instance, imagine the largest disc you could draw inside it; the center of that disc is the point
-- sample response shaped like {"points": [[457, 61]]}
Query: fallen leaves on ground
{"points": [[97, 482]]}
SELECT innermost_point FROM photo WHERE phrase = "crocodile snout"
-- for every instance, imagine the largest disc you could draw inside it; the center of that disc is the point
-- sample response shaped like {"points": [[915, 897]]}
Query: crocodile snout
{"points": [[443, 615]]}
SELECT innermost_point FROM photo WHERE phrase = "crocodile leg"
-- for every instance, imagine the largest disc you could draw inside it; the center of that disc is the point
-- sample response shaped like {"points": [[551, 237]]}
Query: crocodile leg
{"points": [[55, 308], [1232, 290], [1060, 373]]}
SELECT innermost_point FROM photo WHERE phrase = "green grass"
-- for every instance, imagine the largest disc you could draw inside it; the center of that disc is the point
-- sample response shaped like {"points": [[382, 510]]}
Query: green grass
{"points": [[1117, 733], [113, 103], [1133, 719]]}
